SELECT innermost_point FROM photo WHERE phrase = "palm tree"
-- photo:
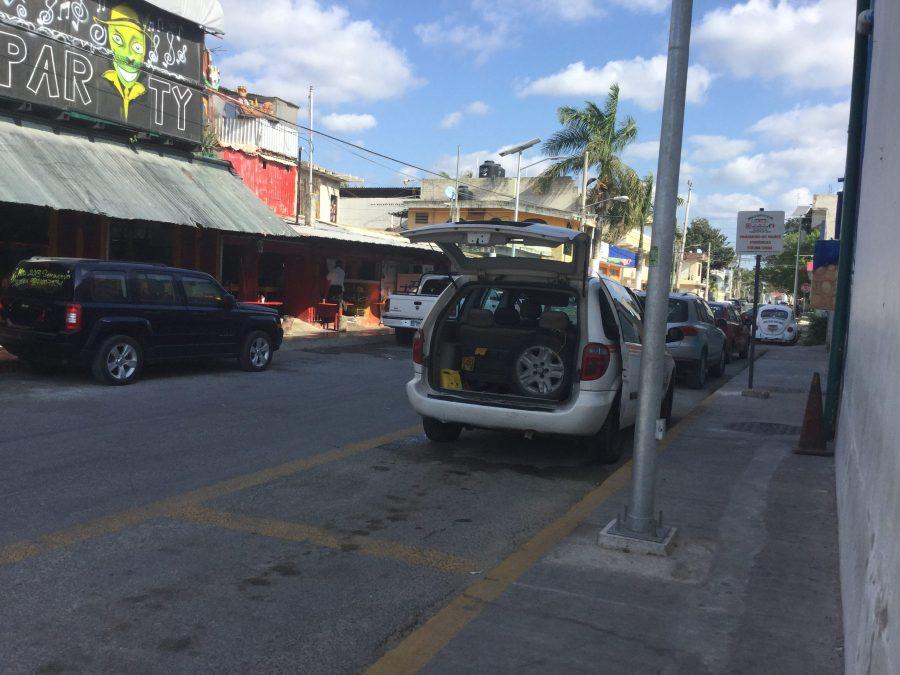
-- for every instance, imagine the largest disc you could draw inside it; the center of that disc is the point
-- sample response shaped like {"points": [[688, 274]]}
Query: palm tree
{"points": [[639, 211], [598, 132]]}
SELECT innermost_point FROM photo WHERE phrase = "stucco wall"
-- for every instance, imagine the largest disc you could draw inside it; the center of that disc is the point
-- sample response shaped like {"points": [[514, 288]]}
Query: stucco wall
{"points": [[868, 443]]}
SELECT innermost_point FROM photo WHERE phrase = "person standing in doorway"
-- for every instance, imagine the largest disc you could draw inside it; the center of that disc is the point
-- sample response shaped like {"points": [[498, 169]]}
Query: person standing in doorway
{"points": [[335, 280]]}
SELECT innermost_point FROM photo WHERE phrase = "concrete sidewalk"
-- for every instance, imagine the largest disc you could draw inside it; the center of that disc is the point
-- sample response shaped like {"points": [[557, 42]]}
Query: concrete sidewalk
{"points": [[751, 587]]}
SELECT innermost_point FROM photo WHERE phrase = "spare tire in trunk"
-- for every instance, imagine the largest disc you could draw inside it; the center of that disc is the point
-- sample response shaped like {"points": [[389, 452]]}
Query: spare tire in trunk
{"points": [[541, 368]]}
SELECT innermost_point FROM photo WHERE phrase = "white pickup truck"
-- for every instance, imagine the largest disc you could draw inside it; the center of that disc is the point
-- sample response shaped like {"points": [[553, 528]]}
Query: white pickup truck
{"points": [[404, 312]]}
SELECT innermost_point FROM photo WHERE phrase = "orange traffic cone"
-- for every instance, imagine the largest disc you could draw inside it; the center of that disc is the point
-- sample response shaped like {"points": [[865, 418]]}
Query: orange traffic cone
{"points": [[812, 435]]}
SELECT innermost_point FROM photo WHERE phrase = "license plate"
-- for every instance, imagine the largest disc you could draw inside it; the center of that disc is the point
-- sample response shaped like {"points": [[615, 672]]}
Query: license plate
{"points": [[773, 329], [412, 323]]}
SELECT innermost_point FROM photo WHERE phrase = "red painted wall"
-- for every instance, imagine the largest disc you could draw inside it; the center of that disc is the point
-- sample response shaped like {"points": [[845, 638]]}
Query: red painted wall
{"points": [[273, 182]]}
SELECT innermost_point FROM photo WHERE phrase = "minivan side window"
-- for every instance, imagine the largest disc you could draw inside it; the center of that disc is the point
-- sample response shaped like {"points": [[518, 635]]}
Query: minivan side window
{"points": [[108, 287], [201, 292], [155, 289]]}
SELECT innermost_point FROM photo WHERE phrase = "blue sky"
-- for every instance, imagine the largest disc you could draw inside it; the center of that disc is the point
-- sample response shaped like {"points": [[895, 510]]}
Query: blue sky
{"points": [[767, 93]]}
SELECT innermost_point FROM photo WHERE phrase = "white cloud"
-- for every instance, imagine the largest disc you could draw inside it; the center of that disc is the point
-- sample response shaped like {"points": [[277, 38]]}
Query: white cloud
{"points": [[709, 148], [642, 150], [349, 123], [280, 47], [641, 80], [807, 45], [482, 40], [644, 5], [808, 125], [724, 206], [452, 119]]}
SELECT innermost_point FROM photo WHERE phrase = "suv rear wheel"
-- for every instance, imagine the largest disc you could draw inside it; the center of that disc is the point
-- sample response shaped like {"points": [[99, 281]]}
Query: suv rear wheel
{"points": [[441, 432], [718, 370], [697, 376], [118, 361], [256, 352]]}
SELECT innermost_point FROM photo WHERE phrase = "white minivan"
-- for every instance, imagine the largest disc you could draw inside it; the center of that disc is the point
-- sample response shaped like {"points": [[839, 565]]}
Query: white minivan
{"points": [[525, 340]]}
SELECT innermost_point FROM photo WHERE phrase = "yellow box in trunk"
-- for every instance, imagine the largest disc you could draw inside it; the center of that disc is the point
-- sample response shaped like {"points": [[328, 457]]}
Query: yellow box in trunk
{"points": [[450, 379]]}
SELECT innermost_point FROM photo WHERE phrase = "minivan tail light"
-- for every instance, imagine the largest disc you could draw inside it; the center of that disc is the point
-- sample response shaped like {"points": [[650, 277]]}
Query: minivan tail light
{"points": [[594, 361], [418, 348], [73, 317]]}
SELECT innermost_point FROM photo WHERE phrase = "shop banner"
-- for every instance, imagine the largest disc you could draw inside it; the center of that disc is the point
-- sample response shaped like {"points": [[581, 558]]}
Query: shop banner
{"points": [[127, 63]]}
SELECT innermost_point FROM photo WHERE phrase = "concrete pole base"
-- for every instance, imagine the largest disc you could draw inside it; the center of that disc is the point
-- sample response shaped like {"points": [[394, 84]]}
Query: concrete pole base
{"points": [[614, 538], [756, 393]]}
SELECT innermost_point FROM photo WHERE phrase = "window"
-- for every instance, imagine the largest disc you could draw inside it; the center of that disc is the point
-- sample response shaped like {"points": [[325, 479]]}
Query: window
{"points": [[704, 313], [202, 292], [629, 311], [156, 289], [44, 279], [434, 286], [492, 299], [108, 287], [781, 314], [678, 311], [421, 218], [720, 311]]}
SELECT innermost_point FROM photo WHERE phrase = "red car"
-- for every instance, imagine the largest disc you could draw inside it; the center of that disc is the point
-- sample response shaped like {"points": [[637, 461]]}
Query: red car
{"points": [[737, 333]]}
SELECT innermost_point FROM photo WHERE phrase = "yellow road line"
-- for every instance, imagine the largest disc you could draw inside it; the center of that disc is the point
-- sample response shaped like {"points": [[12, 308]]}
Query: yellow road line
{"points": [[423, 644], [319, 536], [116, 522]]}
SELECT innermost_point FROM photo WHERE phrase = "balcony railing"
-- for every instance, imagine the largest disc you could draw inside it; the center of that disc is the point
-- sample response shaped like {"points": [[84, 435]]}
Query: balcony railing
{"points": [[261, 134]]}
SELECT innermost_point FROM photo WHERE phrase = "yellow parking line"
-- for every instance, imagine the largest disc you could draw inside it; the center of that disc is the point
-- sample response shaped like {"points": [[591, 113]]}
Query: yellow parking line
{"points": [[319, 536], [116, 522], [423, 644]]}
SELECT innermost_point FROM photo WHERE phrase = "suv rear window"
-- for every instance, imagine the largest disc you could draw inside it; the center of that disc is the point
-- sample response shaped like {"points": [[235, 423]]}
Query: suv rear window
{"points": [[108, 287], [45, 279], [678, 311]]}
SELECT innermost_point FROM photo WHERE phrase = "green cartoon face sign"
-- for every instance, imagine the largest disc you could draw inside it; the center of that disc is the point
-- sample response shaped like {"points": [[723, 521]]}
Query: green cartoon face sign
{"points": [[128, 43]]}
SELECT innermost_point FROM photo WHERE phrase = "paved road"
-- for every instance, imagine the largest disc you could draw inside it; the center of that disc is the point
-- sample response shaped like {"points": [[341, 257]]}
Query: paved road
{"points": [[296, 520]]}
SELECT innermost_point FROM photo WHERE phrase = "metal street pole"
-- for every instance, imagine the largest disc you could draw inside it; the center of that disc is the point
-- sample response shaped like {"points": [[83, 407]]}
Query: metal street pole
{"points": [[687, 212], [310, 217], [640, 259], [708, 267], [641, 520], [456, 198], [518, 171], [797, 266], [753, 324], [584, 179]]}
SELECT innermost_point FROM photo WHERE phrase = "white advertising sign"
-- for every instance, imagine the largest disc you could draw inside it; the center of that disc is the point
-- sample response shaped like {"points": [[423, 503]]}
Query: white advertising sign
{"points": [[760, 232]]}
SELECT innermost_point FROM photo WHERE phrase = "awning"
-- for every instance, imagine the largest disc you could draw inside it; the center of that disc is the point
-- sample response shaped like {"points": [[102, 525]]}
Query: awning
{"points": [[207, 13], [70, 172], [323, 230]]}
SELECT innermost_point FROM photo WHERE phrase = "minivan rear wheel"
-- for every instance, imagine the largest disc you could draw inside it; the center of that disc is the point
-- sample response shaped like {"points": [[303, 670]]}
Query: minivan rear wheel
{"points": [[606, 445], [441, 432], [118, 361]]}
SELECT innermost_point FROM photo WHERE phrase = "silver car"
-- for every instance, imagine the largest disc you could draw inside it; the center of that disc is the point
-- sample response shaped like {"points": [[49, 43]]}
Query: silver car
{"points": [[693, 339]]}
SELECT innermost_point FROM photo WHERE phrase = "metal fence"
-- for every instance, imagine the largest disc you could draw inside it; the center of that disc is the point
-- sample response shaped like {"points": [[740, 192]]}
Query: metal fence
{"points": [[259, 133]]}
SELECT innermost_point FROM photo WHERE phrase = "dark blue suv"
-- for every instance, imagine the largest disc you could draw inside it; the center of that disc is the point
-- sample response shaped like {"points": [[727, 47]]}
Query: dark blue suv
{"points": [[114, 317]]}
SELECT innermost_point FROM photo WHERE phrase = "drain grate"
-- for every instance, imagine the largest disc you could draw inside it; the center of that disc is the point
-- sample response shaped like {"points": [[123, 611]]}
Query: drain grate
{"points": [[770, 428]]}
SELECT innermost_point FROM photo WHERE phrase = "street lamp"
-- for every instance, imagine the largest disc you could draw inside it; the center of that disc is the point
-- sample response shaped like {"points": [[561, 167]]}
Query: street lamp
{"points": [[518, 150]]}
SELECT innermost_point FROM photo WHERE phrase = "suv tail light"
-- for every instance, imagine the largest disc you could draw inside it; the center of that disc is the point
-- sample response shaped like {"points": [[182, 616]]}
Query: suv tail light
{"points": [[688, 330], [418, 348], [594, 361], [73, 317], [387, 305]]}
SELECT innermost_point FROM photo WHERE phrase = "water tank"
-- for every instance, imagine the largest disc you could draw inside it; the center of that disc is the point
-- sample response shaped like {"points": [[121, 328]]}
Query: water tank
{"points": [[491, 169], [465, 194]]}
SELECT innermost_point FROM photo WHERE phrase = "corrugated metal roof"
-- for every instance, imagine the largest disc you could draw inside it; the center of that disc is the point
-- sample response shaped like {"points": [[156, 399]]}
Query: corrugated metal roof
{"points": [[325, 230], [70, 172]]}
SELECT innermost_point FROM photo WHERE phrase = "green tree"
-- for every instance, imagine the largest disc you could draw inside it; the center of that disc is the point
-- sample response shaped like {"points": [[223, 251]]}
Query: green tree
{"points": [[700, 234], [778, 270], [599, 132]]}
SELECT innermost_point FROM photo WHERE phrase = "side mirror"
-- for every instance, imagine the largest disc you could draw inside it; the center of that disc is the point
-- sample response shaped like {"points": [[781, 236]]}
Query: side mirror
{"points": [[674, 335], [230, 302]]}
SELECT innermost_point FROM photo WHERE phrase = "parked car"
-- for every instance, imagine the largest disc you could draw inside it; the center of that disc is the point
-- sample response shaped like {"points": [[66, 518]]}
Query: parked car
{"points": [[737, 333], [776, 323], [526, 341], [693, 338], [116, 317], [404, 312]]}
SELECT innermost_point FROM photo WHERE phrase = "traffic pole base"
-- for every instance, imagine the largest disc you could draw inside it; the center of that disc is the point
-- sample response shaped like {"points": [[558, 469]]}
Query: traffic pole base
{"points": [[616, 538], [756, 393]]}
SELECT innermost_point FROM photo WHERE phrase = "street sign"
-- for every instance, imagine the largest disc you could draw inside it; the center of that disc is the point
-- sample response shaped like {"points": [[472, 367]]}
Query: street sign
{"points": [[760, 232]]}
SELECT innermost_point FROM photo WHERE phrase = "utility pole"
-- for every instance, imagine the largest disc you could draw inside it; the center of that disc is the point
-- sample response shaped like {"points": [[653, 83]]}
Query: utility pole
{"points": [[797, 266], [687, 212], [297, 199], [310, 216], [708, 267], [455, 218], [640, 527]]}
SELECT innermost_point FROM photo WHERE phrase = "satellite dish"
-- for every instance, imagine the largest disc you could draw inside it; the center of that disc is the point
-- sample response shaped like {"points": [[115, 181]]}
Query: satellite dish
{"points": [[450, 192]]}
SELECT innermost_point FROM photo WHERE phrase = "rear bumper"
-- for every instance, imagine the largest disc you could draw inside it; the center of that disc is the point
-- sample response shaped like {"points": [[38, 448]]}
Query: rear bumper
{"points": [[400, 322], [29, 344], [582, 415]]}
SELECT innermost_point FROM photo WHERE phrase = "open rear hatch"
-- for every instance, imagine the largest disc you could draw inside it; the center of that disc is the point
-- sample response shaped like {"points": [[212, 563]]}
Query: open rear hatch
{"points": [[491, 250]]}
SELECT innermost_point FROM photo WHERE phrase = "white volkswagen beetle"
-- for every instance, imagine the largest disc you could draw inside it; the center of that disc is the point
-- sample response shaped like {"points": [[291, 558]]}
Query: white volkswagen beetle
{"points": [[776, 323], [525, 341]]}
